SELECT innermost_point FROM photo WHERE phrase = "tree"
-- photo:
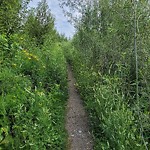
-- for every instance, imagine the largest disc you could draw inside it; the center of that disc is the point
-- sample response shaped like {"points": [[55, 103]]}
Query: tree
{"points": [[11, 18], [40, 22], [105, 41]]}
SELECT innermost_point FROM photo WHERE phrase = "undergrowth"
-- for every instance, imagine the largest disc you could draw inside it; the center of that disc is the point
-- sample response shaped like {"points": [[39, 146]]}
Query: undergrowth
{"points": [[32, 94], [114, 123]]}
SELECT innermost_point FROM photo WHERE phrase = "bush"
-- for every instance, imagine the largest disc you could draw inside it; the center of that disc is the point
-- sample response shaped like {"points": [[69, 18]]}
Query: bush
{"points": [[113, 123], [32, 96]]}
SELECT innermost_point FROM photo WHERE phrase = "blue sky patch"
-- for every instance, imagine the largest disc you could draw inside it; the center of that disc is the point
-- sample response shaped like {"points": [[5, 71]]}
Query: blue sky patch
{"points": [[61, 23]]}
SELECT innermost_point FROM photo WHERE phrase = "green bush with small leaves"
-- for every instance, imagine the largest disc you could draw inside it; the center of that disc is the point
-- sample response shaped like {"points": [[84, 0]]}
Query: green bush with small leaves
{"points": [[32, 96], [113, 123]]}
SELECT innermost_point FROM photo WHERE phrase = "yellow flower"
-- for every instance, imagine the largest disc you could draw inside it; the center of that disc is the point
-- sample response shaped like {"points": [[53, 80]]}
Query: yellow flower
{"points": [[33, 57]]}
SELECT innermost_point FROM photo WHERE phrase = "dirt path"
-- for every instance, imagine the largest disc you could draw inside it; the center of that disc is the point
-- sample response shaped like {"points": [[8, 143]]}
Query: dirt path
{"points": [[77, 121]]}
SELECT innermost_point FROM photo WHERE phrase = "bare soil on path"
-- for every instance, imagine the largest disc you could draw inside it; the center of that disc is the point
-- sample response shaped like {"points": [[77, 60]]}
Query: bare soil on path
{"points": [[77, 123]]}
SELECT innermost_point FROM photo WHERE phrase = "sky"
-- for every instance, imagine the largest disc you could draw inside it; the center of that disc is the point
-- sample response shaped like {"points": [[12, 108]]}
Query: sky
{"points": [[61, 23]]}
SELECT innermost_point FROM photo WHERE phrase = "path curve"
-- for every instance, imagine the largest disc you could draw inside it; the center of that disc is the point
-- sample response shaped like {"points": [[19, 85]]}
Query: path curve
{"points": [[77, 123]]}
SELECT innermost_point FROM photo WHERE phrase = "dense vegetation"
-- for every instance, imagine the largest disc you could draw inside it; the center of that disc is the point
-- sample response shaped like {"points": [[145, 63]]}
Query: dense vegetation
{"points": [[111, 60], [32, 78]]}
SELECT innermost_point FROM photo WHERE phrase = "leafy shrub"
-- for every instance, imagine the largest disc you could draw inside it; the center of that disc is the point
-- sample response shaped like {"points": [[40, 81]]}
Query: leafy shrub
{"points": [[32, 97], [113, 123]]}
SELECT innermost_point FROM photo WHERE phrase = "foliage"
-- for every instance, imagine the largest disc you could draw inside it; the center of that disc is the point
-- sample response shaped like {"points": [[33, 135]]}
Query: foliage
{"points": [[33, 88], [32, 96], [104, 62], [114, 125], [11, 15], [40, 22], [32, 81]]}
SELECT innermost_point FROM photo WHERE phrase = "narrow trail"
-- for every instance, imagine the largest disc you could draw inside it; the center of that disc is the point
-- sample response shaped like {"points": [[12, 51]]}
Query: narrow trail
{"points": [[77, 120]]}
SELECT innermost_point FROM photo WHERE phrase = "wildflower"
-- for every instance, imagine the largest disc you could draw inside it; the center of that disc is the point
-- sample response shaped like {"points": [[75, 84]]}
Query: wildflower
{"points": [[35, 57]]}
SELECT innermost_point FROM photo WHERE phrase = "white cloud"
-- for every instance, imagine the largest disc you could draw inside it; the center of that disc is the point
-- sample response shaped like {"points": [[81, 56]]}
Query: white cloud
{"points": [[61, 23]]}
